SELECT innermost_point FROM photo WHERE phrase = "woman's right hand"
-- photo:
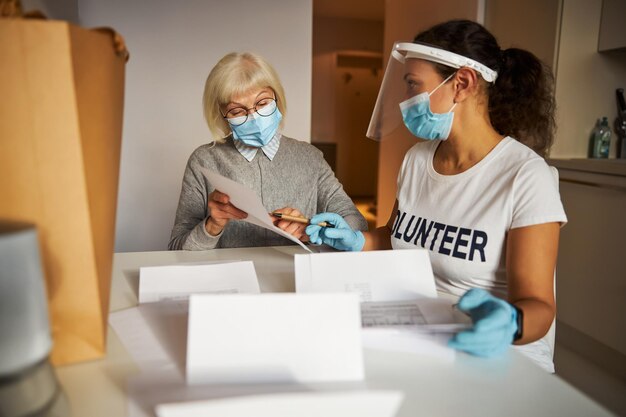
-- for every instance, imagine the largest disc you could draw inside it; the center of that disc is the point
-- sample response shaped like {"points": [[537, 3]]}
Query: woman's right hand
{"points": [[340, 236], [222, 211]]}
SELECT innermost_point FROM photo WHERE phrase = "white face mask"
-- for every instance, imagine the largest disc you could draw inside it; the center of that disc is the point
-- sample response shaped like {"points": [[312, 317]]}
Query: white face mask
{"points": [[258, 130]]}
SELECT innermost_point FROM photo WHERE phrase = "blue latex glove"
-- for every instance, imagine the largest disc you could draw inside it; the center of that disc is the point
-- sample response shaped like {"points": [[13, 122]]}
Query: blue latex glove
{"points": [[495, 324], [340, 237]]}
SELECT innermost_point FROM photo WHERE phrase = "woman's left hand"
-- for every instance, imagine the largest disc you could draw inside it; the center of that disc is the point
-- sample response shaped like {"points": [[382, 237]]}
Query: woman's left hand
{"points": [[495, 324], [293, 228]]}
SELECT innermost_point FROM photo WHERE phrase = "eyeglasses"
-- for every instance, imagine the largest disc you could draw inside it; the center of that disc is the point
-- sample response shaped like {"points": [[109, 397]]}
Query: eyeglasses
{"points": [[239, 115]]}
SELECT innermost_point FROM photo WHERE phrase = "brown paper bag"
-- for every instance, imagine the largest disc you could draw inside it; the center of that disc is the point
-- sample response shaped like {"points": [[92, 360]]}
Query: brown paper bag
{"points": [[61, 105]]}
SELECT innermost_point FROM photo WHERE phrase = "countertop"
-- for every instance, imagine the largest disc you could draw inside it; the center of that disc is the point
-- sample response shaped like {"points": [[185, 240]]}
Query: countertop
{"points": [[597, 166], [469, 386]]}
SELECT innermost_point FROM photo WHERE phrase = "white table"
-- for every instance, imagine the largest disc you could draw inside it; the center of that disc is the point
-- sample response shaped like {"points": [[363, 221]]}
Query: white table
{"points": [[507, 386]]}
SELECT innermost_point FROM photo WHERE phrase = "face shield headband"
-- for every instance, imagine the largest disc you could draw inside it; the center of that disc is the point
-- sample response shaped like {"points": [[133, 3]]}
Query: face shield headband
{"points": [[387, 115]]}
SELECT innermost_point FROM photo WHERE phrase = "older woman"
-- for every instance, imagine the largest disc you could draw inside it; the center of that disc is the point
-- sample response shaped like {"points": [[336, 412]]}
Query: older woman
{"points": [[245, 106]]}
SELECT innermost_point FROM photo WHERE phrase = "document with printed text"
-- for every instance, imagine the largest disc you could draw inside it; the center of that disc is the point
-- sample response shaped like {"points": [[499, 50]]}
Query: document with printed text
{"points": [[432, 314], [175, 282]]}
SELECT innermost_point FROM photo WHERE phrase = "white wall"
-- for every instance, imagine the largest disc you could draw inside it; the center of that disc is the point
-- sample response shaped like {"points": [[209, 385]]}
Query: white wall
{"points": [[173, 46], [586, 79]]}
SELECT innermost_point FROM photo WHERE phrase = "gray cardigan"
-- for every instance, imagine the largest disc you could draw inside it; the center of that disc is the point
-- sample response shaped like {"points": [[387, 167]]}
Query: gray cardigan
{"points": [[297, 177]]}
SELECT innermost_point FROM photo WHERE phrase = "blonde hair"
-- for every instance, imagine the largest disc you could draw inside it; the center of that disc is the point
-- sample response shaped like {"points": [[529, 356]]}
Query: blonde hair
{"points": [[235, 74]]}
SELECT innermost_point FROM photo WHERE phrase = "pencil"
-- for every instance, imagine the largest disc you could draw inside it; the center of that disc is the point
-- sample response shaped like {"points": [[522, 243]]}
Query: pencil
{"points": [[299, 219]]}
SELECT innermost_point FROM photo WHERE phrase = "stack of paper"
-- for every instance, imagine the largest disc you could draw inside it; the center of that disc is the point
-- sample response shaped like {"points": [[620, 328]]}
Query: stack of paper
{"points": [[155, 332], [206, 324], [196, 326], [400, 310]]}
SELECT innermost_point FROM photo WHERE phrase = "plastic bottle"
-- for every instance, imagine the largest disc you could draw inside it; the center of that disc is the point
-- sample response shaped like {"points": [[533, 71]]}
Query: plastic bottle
{"points": [[600, 139], [605, 138], [592, 151]]}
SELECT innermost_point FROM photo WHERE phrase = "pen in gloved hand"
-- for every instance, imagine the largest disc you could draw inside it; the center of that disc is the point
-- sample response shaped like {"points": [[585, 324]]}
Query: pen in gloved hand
{"points": [[299, 219]]}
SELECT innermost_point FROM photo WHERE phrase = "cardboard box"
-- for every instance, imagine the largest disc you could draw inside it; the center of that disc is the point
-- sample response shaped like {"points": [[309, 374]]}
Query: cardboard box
{"points": [[60, 138]]}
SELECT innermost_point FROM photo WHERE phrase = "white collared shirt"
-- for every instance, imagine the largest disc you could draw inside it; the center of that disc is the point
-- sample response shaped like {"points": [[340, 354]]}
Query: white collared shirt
{"points": [[249, 152]]}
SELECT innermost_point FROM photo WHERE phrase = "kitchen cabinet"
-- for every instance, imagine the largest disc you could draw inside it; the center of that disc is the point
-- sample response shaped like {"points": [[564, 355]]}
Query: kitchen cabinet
{"points": [[591, 278], [612, 26]]}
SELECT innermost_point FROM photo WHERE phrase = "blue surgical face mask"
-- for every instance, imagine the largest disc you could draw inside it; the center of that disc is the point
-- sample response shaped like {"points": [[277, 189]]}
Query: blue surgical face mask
{"points": [[421, 121], [258, 130]]}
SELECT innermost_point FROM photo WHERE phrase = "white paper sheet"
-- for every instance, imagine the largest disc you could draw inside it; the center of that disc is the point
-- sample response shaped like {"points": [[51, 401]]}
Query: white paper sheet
{"points": [[409, 340], [274, 338], [247, 200], [391, 275], [173, 282], [154, 334], [309, 404], [421, 326]]}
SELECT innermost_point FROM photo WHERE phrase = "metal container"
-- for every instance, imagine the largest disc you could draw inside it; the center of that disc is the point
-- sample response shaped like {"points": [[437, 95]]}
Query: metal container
{"points": [[28, 384]]}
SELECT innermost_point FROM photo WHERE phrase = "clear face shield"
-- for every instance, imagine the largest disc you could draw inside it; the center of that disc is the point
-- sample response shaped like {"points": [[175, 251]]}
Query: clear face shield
{"points": [[387, 115]]}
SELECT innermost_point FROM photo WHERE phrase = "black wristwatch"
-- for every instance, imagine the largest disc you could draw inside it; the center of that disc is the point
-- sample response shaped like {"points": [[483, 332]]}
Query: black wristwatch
{"points": [[520, 324]]}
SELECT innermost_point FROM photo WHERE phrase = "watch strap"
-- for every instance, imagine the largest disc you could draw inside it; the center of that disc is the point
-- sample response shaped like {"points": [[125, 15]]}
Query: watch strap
{"points": [[520, 324]]}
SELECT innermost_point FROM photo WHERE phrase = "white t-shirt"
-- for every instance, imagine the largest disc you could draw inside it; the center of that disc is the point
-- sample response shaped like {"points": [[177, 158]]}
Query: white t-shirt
{"points": [[463, 219]]}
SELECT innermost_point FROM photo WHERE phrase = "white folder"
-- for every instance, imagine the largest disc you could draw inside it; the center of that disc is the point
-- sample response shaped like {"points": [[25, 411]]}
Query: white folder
{"points": [[274, 338]]}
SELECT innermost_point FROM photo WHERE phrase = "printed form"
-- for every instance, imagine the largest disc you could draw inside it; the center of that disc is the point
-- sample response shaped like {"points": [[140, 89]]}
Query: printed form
{"points": [[177, 282], [431, 314]]}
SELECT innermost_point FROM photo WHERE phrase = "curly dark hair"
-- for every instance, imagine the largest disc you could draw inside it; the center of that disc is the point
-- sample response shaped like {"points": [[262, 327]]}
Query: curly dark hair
{"points": [[521, 101]]}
